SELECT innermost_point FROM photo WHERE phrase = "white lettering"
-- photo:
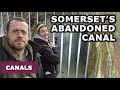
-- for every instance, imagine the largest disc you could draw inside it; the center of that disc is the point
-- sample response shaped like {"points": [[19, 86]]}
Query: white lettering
{"points": [[19, 67]]}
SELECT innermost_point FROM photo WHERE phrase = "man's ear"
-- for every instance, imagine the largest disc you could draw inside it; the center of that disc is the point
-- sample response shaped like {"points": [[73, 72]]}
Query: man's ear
{"points": [[5, 34]]}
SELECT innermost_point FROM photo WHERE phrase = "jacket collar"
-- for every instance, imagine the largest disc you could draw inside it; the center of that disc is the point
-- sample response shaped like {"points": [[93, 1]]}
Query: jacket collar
{"points": [[12, 52], [39, 37]]}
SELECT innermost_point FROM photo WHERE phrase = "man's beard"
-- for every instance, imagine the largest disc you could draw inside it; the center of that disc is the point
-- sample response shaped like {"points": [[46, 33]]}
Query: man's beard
{"points": [[19, 44]]}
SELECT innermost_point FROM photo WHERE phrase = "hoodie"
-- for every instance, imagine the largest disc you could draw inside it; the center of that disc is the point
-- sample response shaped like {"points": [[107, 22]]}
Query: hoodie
{"points": [[7, 53]]}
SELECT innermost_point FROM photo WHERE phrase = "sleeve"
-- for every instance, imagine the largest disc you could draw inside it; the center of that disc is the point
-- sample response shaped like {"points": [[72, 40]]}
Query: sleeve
{"points": [[55, 50], [48, 55]]}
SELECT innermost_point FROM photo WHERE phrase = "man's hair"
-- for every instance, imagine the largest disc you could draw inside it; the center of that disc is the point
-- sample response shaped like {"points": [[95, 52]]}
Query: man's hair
{"points": [[16, 19]]}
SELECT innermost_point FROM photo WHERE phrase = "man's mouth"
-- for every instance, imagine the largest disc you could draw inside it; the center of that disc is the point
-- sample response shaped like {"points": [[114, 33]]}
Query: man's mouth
{"points": [[19, 40]]}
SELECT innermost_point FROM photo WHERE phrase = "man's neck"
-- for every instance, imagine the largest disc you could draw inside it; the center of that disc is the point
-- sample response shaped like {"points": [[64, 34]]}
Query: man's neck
{"points": [[20, 53]]}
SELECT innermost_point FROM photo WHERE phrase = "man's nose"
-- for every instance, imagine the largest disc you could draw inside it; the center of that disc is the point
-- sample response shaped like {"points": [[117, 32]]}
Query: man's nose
{"points": [[20, 34]]}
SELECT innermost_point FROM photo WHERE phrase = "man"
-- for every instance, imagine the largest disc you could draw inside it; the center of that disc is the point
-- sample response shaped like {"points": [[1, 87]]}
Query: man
{"points": [[17, 46]]}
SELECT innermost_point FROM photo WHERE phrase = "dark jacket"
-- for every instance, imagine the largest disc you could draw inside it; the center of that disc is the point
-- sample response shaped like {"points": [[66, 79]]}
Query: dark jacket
{"points": [[7, 53], [49, 56]]}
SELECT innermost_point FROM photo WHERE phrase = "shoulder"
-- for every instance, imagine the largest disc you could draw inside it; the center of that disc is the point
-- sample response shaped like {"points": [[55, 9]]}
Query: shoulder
{"points": [[36, 47], [39, 41], [2, 51], [1, 40]]}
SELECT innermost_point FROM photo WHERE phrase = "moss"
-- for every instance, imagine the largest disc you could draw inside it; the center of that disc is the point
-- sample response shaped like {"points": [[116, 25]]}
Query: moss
{"points": [[114, 63], [99, 74], [92, 58]]}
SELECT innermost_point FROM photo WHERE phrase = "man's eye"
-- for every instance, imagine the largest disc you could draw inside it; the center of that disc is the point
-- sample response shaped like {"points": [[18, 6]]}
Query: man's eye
{"points": [[15, 31], [23, 32]]}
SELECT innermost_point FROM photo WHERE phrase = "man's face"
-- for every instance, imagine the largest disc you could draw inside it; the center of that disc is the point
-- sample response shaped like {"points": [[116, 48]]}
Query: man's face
{"points": [[44, 32], [17, 35]]}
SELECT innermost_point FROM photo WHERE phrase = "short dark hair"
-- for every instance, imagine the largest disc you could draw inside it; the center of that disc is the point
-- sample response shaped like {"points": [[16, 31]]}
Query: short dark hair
{"points": [[16, 19]]}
